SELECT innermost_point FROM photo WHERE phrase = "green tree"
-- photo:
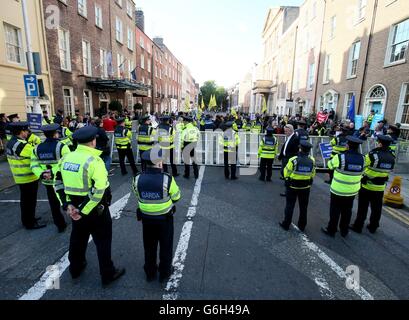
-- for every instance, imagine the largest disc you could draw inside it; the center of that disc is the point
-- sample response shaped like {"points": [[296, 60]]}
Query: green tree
{"points": [[207, 90], [221, 97]]}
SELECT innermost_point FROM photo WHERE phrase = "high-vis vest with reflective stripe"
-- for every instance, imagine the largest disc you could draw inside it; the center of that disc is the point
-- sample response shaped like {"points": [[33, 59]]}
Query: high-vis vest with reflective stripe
{"points": [[122, 137], [146, 137], [339, 145], [230, 140], [378, 165], [83, 174], [268, 147], [256, 128], [166, 136], [66, 136], [33, 140], [348, 170], [46, 157], [19, 158], [300, 171], [156, 192], [190, 134], [128, 123]]}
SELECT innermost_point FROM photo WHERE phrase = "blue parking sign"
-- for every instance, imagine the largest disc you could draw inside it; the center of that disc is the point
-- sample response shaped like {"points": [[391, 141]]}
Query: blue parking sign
{"points": [[31, 85], [326, 150], [35, 121]]}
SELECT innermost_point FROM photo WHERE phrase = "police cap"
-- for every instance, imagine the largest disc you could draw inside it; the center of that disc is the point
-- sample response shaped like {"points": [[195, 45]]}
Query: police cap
{"points": [[354, 140], [270, 131], [20, 125], [120, 120], [145, 118], [188, 119], [302, 123], [305, 145], [229, 124], [385, 139], [12, 116], [152, 155], [165, 118], [50, 128], [86, 134]]}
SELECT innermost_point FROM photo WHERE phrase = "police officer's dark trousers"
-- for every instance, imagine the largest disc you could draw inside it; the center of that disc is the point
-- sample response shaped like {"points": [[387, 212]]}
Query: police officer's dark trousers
{"points": [[122, 153], [230, 160], [28, 203], [99, 226], [169, 155], [158, 231], [340, 208], [375, 200], [303, 196], [266, 167], [189, 157], [55, 207]]}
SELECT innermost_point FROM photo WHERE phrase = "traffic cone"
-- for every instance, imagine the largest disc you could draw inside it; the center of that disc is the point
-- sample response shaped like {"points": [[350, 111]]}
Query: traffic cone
{"points": [[393, 197]]}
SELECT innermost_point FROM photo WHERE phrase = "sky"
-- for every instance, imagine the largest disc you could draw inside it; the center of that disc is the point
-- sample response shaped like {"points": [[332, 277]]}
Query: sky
{"points": [[216, 39]]}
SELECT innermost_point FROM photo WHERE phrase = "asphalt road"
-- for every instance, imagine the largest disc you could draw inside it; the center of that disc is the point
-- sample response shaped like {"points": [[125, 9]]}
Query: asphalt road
{"points": [[228, 246]]}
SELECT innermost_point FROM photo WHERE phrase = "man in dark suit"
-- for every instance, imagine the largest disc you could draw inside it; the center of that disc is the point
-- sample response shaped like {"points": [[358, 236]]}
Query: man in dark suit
{"points": [[289, 149]]}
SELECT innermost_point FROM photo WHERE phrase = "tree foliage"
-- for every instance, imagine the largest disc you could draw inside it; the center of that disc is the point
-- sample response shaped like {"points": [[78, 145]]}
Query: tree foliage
{"points": [[210, 88]]}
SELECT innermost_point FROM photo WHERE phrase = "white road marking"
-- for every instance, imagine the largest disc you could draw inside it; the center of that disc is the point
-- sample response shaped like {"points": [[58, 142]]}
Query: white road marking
{"points": [[39, 289], [183, 244], [319, 278]]}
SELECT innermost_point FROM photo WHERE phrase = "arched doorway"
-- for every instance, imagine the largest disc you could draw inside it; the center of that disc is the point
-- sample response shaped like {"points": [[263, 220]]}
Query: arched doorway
{"points": [[330, 100], [376, 100]]}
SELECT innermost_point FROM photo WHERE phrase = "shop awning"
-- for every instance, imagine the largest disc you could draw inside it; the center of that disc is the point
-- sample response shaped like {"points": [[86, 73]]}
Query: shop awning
{"points": [[138, 89]]}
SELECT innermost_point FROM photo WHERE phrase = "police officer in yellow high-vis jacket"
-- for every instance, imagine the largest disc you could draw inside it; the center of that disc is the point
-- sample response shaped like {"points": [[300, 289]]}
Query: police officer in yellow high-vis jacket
{"points": [[190, 137], [123, 138], [298, 174], [44, 161], [157, 193], [146, 138], [379, 163], [19, 153], [230, 141], [166, 139], [348, 171], [267, 152], [83, 188]]}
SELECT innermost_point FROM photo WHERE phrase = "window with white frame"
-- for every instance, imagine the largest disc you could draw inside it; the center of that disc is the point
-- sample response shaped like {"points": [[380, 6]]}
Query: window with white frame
{"points": [[327, 68], [88, 102], [129, 8], [333, 27], [130, 39], [160, 73], [142, 42], [404, 118], [156, 72], [14, 47], [361, 9], [86, 58], [68, 95], [103, 63], [311, 76], [98, 16], [82, 7], [398, 42], [149, 65], [150, 90], [142, 61], [353, 59], [347, 104], [64, 48], [131, 67], [121, 65], [118, 30]]}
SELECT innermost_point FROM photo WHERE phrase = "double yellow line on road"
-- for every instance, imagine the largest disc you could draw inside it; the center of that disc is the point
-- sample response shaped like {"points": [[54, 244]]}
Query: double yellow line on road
{"points": [[397, 215]]}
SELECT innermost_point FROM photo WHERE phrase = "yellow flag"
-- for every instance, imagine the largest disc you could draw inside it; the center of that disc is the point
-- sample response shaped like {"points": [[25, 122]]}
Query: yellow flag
{"points": [[187, 103], [264, 110], [203, 105], [212, 103], [234, 113]]}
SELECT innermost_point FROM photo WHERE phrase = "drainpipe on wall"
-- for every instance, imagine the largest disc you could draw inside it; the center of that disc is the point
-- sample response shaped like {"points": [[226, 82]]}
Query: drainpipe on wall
{"points": [[367, 55]]}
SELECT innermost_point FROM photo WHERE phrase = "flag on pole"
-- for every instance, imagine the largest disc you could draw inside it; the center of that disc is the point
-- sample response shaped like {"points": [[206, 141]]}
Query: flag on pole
{"points": [[203, 105], [133, 74], [212, 103], [351, 111], [264, 110]]}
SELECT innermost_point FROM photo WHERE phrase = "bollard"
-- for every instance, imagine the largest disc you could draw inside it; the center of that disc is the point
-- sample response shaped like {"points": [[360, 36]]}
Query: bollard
{"points": [[393, 197]]}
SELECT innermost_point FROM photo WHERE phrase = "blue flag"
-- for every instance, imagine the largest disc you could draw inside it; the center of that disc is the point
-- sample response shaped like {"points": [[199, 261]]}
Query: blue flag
{"points": [[133, 74], [351, 111]]}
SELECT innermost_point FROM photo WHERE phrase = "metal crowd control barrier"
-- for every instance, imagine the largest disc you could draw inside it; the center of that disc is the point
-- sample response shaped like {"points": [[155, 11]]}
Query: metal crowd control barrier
{"points": [[209, 151]]}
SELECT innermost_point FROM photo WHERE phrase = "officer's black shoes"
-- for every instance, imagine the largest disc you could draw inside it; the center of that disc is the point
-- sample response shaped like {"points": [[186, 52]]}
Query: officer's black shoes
{"points": [[269, 180], [284, 227], [175, 175], [38, 219], [186, 177], [344, 234], [355, 229], [119, 272], [234, 178], [124, 173], [77, 273], [36, 226], [283, 194], [262, 179], [325, 231], [371, 230], [164, 278], [302, 229]]}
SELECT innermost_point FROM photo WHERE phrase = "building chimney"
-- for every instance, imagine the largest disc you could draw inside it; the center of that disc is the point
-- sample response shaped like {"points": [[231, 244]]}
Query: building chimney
{"points": [[140, 19], [158, 41]]}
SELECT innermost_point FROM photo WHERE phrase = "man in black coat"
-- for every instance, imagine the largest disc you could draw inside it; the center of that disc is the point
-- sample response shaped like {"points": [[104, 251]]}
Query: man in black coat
{"points": [[289, 149]]}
